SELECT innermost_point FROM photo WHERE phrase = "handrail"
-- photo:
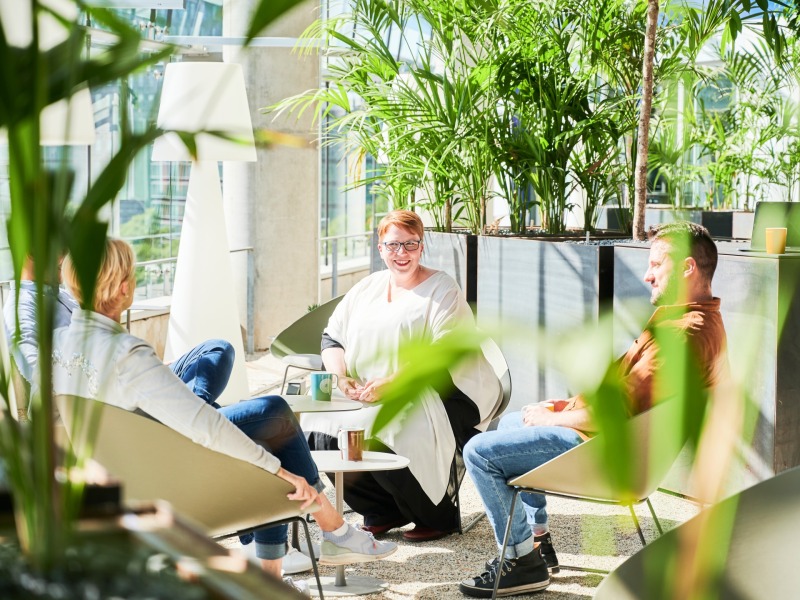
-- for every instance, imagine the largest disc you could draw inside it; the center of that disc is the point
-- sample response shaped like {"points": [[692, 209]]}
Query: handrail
{"points": [[5, 286], [334, 254]]}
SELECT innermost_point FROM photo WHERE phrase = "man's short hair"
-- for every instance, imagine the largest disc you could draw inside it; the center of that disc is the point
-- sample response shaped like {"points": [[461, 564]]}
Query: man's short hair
{"points": [[701, 246], [117, 267]]}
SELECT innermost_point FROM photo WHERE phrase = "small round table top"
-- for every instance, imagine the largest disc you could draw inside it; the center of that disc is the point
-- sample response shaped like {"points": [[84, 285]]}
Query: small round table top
{"points": [[330, 461], [304, 404]]}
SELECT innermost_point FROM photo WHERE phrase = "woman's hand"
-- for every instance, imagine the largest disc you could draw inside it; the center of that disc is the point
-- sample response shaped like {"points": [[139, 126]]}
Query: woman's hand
{"points": [[350, 387], [302, 490], [373, 390]]}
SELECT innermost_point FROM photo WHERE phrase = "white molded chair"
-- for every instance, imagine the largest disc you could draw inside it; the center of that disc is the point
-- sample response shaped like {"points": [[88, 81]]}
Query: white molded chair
{"points": [[298, 346], [225, 496], [653, 446]]}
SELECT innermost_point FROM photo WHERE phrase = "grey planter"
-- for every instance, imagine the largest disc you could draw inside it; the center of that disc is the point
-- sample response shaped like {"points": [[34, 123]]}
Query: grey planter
{"points": [[758, 293], [653, 215], [457, 255], [526, 284]]}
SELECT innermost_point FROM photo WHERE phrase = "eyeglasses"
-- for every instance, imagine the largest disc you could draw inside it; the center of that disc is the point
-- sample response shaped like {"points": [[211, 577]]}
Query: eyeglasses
{"points": [[410, 245]]}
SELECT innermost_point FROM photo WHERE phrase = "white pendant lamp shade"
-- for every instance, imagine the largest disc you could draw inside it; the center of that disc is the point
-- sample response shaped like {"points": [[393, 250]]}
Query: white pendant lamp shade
{"points": [[205, 96]]}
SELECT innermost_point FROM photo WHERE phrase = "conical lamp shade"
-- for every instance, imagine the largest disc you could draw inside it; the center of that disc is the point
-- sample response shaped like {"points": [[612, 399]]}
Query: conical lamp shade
{"points": [[205, 96]]}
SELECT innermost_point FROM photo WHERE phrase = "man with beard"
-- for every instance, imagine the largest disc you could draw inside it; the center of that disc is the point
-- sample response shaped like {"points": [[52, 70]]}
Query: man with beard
{"points": [[682, 261]]}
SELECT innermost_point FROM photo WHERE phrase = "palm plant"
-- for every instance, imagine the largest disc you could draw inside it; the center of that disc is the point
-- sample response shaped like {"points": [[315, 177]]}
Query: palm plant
{"points": [[745, 141], [46, 222], [678, 45], [538, 95], [670, 158]]}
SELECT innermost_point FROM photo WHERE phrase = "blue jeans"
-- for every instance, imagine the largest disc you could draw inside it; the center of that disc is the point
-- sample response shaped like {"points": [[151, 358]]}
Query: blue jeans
{"points": [[270, 422], [494, 457], [205, 369]]}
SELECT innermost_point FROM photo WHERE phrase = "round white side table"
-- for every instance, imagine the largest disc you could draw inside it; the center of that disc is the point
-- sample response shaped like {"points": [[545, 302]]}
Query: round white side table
{"points": [[304, 404], [330, 461]]}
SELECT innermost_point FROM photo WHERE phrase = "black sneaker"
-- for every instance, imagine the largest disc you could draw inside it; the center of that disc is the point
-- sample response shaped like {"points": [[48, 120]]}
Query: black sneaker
{"points": [[545, 548], [548, 552], [518, 576]]}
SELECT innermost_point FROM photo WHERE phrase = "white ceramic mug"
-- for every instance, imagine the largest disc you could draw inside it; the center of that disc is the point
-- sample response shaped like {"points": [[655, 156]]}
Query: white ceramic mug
{"points": [[351, 443]]}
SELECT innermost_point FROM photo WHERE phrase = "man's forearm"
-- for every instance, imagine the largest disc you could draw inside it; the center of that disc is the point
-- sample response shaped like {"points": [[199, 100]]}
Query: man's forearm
{"points": [[579, 419]]}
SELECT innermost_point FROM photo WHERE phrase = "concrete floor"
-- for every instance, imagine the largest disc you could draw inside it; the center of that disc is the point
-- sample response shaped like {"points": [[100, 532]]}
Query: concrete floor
{"points": [[584, 534]]}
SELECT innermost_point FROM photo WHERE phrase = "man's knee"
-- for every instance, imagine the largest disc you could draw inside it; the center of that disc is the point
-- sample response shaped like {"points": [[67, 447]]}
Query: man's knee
{"points": [[511, 420], [472, 453]]}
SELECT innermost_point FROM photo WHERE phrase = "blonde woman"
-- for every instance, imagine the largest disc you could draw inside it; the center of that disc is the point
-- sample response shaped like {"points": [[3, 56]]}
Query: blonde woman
{"points": [[96, 357]]}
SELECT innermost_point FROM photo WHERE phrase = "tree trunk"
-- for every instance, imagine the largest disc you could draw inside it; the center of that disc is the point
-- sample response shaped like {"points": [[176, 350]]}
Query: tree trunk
{"points": [[643, 141]]}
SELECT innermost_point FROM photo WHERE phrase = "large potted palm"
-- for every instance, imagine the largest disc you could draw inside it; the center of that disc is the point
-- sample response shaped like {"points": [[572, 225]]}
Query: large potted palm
{"points": [[480, 103], [45, 483]]}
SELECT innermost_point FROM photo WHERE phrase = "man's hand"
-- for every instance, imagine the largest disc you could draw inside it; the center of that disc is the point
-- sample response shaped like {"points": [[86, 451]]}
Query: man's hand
{"points": [[373, 390], [350, 387], [540, 414], [302, 490]]}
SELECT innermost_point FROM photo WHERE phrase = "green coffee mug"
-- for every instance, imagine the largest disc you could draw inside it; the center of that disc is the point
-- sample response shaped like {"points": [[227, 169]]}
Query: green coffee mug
{"points": [[322, 385]]}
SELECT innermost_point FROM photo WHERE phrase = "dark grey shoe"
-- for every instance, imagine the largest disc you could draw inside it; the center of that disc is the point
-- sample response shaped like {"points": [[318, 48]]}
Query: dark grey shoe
{"points": [[517, 576], [548, 552], [545, 548]]}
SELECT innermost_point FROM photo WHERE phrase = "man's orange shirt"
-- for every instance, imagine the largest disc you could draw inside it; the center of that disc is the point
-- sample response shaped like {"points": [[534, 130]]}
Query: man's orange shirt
{"points": [[699, 323]]}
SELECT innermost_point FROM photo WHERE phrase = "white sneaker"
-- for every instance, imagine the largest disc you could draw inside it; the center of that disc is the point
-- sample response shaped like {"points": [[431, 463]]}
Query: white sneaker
{"points": [[299, 585], [353, 547], [295, 562]]}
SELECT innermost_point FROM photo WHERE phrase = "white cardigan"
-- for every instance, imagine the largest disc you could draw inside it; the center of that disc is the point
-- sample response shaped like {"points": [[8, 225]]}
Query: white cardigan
{"points": [[371, 329], [94, 357]]}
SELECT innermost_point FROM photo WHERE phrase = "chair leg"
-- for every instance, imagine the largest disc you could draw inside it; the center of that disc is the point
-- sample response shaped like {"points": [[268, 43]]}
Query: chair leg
{"points": [[505, 543], [457, 498], [655, 518], [311, 554], [285, 374], [638, 527], [471, 524]]}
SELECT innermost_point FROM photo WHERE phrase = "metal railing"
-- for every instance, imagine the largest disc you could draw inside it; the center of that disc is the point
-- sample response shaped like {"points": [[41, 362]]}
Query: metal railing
{"points": [[329, 253], [5, 287]]}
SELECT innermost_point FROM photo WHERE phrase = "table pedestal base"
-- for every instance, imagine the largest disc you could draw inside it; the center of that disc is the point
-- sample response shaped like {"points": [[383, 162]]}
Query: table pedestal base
{"points": [[355, 586]]}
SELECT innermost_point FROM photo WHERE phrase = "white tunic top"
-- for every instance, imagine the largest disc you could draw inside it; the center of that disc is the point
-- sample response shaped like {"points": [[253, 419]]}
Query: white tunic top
{"points": [[96, 358], [371, 329]]}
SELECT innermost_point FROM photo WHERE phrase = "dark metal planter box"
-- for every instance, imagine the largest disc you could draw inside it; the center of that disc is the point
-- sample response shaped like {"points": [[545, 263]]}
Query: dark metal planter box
{"points": [[758, 292], [732, 224]]}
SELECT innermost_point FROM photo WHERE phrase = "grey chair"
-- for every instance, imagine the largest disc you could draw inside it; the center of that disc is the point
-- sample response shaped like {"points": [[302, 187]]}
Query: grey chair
{"points": [[224, 496], [760, 556], [577, 474], [298, 346]]}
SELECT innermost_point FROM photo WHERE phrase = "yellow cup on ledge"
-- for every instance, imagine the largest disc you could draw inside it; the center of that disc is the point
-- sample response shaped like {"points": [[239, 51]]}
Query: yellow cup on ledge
{"points": [[776, 240]]}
